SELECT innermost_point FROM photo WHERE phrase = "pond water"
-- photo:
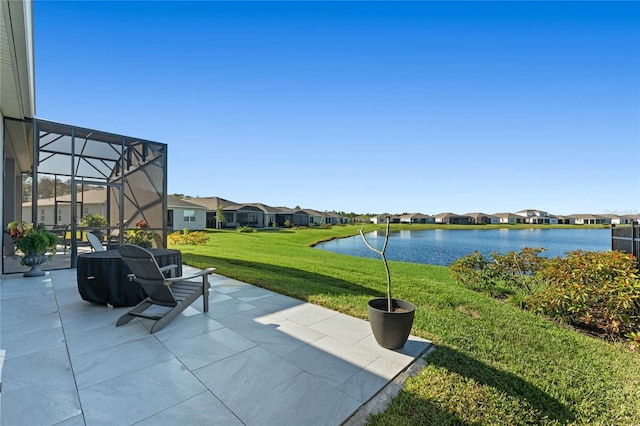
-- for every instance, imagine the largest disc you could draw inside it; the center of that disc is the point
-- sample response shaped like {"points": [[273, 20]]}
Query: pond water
{"points": [[443, 246]]}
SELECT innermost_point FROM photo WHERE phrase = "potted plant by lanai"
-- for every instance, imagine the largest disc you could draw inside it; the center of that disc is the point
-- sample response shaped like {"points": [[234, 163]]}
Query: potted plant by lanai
{"points": [[142, 236], [95, 221], [391, 319], [36, 244]]}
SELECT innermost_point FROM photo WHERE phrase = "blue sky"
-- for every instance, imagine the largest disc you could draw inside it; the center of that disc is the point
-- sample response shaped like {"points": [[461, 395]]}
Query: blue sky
{"points": [[367, 107]]}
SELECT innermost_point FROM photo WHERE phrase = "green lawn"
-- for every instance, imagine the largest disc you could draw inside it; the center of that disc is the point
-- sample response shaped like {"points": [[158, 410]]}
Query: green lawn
{"points": [[494, 363]]}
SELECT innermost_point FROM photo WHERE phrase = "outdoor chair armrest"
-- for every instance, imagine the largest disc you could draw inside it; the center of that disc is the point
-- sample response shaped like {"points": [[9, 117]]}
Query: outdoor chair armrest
{"points": [[171, 268], [199, 274]]}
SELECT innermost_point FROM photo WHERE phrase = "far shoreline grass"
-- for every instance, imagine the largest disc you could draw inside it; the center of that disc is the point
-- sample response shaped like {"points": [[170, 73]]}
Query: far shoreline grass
{"points": [[494, 363]]}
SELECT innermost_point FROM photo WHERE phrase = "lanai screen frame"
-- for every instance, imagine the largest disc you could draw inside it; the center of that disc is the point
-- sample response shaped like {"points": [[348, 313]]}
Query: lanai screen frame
{"points": [[133, 172]]}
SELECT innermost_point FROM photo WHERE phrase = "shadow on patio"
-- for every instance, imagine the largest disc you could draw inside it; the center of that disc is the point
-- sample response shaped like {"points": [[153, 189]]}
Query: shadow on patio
{"points": [[256, 358]]}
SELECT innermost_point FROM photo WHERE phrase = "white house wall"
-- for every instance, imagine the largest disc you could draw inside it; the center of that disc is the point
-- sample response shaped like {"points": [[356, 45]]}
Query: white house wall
{"points": [[179, 223]]}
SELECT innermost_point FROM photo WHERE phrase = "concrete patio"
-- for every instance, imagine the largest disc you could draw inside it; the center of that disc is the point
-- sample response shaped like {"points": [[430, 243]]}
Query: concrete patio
{"points": [[256, 358]]}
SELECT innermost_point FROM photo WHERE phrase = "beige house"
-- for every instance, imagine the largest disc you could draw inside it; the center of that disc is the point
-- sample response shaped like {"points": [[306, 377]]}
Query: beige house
{"points": [[182, 214], [590, 219], [416, 218], [452, 219], [259, 215], [478, 218], [509, 218], [58, 210]]}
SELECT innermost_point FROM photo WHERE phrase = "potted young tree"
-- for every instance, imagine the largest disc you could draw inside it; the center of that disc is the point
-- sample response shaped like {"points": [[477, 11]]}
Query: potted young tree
{"points": [[34, 242], [391, 319]]}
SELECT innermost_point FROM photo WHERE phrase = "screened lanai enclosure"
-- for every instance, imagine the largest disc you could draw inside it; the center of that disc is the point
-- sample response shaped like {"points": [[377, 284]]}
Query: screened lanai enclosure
{"points": [[81, 180]]}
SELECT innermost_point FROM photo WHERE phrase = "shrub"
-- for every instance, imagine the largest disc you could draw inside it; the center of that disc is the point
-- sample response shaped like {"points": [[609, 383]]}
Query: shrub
{"points": [[513, 271], [469, 270], [518, 270], [199, 238], [245, 229], [592, 290]]}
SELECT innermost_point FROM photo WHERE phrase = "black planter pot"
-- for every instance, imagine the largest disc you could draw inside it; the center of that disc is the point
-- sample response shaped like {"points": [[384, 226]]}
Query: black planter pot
{"points": [[34, 260], [391, 329]]}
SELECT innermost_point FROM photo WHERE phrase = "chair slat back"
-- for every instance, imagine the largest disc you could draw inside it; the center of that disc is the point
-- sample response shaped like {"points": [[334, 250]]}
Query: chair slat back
{"points": [[95, 242], [144, 266], [141, 262]]}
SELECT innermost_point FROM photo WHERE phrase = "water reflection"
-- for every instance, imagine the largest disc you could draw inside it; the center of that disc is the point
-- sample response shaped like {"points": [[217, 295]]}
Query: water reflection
{"points": [[443, 246]]}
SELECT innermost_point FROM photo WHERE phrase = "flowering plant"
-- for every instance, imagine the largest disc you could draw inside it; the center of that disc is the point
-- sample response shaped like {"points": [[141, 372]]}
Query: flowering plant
{"points": [[142, 236], [32, 239]]}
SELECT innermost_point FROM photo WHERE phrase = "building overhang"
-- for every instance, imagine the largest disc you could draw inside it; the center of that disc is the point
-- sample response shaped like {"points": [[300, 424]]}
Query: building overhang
{"points": [[17, 79]]}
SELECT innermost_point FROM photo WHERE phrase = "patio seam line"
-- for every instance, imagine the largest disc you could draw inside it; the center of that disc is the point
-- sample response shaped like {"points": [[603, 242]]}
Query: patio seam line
{"points": [[66, 345]]}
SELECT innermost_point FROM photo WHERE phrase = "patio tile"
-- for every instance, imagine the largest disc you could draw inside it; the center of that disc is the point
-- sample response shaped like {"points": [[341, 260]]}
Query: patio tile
{"points": [[343, 327], [246, 376], [14, 289], [73, 421], [85, 317], [19, 309], [227, 307], [368, 381], [16, 321], [360, 357], [18, 344], [104, 337], [265, 359], [245, 322], [329, 368], [184, 327], [65, 278], [283, 338], [68, 295], [229, 286], [198, 351], [137, 396], [306, 314], [302, 400], [252, 294], [276, 302], [101, 365], [203, 409], [42, 378], [413, 348], [16, 285]]}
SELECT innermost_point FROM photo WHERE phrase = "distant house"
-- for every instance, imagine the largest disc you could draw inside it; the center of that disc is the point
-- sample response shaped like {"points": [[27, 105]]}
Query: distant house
{"points": [[631, 218], [478, 218], [417, 218], [58, 210], [509, 218], [616, 219], [537, 217], [182, 214], [565, 220], [452, 219], [382, 218], [590, 219], [211, 205]]}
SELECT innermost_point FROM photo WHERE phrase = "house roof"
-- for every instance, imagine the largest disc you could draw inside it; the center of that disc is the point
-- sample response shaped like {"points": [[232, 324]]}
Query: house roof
{"points": [[212, 203], [506, 215], [93, 196], [415, 215], [178, 202], [447, 214], [585, 216], [478, 214]]}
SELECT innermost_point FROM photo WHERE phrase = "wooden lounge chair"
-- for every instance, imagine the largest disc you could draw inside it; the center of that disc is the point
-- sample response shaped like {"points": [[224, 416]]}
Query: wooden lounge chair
{"points": [[95, 242], [175, 294]]}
